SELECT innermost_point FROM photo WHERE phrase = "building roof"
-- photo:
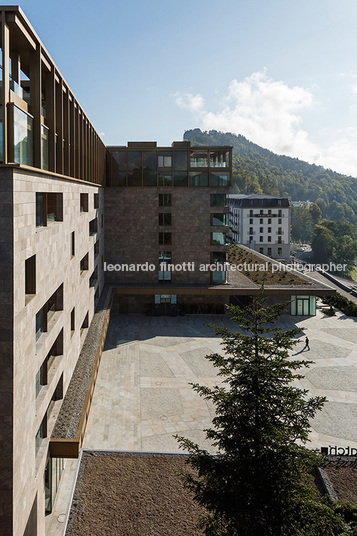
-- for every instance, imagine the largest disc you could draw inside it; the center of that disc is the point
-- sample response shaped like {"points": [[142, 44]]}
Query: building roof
{"points": [[257, 200]]}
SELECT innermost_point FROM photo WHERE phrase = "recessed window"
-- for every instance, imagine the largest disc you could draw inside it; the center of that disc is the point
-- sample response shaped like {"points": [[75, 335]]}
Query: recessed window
{"points": [[164, 260], [279, 221], [165, 200], [199, 179], [165, 218], [250, 213], [269, 238], [165, 238], [164, 160], [180, 179], [218, 219], [165, 179], [279, 240], [261, 229], [260, 239], [218, 200], [96, 249], [41, 434], [261, 250], [49, 208], [44, 315], [93, 278], [85, 323], [251, 221], [84, 202], [93, 227], [251, 230], [84, 263], [269, 229], [30, 275], [219, 180], [280, 213], [261, 221], [55, 351], [280, 231], [73, 243], [269, 221], [73, 320], [269, 251], [280, 251], [96, 200], [218, 239]]}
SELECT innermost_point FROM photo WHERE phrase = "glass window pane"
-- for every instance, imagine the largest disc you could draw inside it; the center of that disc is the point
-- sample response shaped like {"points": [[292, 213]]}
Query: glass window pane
{"points": [[120, 159], [218, 238], [23, 137], [218, 200], [165, 159], [165, 179], [180, 179], [180, 160], [219, 277], [149, 160], [219, 180], [198, 159], [118, 179], [199, 179], [219, 159], [218, 219], [164, 200], [218, 257], [150, 178], [1, 124], [134, 178], [134, 160], [44, 147]]}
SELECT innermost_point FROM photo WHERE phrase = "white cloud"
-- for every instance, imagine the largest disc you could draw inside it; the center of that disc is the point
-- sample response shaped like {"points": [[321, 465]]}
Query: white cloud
{"points": [[268, 112]]}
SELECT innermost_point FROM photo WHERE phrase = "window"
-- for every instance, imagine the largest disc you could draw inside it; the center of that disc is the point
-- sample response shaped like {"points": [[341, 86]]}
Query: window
{"points": [[164, 260], [73, 243], [269, 211], [42, 374], [149, 178], [165, 238], [180, 160], [44, 315], [164, 160], [218, 239], [250, 213], [218, 257], [269, 229], [280, 213], [180, 179], [218, 219], [199, 179], [93, 278], [260, 229], [96, 200], [280, 251], [165, 179], [73, 320], [198, 159], [261, 211], [279, 240], [93, 227], [251, 221], [96, 249], [261, 250], [85, 323], [84, 202], [280, 231], [269, 238], [261, 221], [218, 200], [219, 159], [251, 230], [30, 275], [219, 180], [165, 218], [279, 221], [41, 434], [84, 263], [260, 239], [269, 251], [49, 208], [269, 221], [165, 200]]}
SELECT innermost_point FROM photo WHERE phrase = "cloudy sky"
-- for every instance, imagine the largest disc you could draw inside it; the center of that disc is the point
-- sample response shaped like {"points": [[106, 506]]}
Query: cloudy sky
{"points": [[280, 72]]}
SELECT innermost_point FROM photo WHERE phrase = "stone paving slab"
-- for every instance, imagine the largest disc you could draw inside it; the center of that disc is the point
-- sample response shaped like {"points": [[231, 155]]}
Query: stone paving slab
{"points": [[143, 397]]}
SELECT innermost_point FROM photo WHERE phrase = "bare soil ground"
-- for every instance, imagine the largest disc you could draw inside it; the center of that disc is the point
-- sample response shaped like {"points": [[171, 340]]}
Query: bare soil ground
{"points": [[131, 496], [343, 476]]}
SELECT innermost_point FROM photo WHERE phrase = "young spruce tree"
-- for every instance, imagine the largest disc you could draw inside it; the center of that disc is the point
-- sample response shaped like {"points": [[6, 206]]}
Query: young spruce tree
{"points": [[259, 482]]}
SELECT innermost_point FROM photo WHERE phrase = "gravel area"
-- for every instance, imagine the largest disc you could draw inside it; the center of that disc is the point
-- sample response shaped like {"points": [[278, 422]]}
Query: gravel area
{"points": [[71, 410], [132, 494], [343, 476]]}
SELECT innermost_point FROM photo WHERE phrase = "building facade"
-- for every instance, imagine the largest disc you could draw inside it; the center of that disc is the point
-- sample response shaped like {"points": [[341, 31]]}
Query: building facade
{"points": [[261, 222]]}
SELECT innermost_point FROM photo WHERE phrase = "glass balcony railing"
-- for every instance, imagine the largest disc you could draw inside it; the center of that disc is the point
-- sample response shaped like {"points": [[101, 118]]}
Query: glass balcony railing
{"points": [[16, 88]]}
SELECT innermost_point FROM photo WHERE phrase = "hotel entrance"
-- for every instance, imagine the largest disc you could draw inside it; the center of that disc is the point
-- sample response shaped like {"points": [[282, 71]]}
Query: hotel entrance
{"points": [[165, 305]]}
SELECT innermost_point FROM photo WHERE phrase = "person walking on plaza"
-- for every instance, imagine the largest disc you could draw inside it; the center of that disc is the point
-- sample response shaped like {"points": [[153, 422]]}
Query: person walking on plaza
{"points": [[306, 344]]}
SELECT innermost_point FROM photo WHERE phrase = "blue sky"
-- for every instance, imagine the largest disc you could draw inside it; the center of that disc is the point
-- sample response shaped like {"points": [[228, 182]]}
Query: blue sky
{"points": [[280, 72]]}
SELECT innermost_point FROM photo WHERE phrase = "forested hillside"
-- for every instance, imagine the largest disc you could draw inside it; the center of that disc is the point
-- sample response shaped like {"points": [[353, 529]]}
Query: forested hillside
{"points": [[257, 170]]}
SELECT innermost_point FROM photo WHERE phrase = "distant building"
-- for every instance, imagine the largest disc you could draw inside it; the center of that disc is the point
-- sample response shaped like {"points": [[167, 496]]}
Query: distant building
{"points": [[261, 222], [297, 204]]}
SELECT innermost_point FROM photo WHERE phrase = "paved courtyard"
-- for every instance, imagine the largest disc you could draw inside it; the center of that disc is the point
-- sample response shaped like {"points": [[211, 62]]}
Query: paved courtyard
{"points": [[143, 397]]}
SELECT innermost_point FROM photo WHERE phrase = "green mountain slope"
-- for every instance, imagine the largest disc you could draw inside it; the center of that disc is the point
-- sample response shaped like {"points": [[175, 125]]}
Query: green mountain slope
{"points": [[257, 170]]}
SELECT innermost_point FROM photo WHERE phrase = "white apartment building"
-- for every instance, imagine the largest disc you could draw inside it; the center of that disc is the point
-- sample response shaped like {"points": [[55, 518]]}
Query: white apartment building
{"points": [[261, 222]]}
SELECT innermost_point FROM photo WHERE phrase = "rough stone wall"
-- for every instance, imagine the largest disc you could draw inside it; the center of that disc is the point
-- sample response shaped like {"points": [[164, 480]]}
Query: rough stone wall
{"points": [[132, 233], [54, 266], [6, 351]]}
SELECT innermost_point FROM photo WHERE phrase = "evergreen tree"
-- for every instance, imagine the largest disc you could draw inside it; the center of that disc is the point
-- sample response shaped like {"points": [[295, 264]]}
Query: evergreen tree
{"points": [[258, 483]]}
